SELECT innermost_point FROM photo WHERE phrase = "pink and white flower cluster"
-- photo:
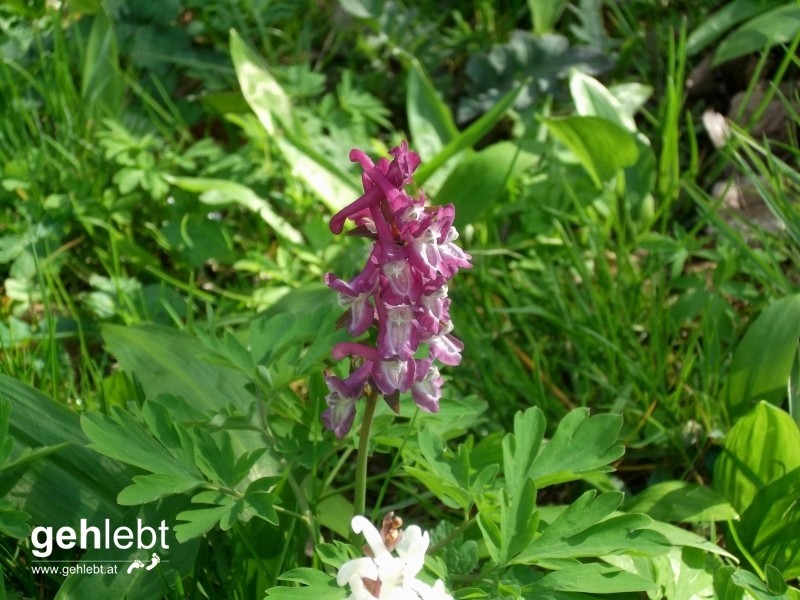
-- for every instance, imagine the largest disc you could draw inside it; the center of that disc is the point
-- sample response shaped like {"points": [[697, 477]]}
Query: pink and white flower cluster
{"points": [[402, 290]]}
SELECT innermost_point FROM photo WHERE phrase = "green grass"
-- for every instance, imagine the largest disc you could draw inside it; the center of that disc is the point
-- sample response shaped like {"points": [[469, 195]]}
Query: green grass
{"points": [[580, 295]]}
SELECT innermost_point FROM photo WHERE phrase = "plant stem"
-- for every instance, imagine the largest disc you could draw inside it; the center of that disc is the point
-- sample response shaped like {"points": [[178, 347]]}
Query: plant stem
{"points": [[360, 502]]}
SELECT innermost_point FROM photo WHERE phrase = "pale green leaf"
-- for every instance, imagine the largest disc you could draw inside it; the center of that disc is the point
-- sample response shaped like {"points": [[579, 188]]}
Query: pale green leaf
{"points": [[763, 446], [762, 364], [602, 147]]}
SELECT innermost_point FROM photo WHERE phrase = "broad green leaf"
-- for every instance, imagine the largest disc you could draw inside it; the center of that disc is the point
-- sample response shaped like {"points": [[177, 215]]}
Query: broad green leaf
{"points": [[582, 444], [724, 586], [602, 147], [678, 501], [778, 26], [166, 361], [429, 120], [592, 99], [154, 486], [758, 589], [762, 364], [469, 137], [68, 485], [586, 528], [762, 447], [729, 15], [482, 179], [221, 192], [274, 109], [101, 85], [263, 93], [770, 527], [590, 578], [545, 14]]}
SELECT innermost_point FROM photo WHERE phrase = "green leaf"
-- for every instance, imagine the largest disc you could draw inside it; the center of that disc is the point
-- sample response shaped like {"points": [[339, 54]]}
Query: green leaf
{"points": [[166, 361], [122, 437], [468, 137], [79, 483], [582, 444], [761, 448], [521, 448], [590, 578], [273, 108], [429, 120], [222, 192], [263, 93], [728, 16], [201, 520], [154, 486], [545, 14], [482, 179], [778, 26], [100, 80], [762, 364], [602, 147], [592, 99], [678, 501], [13, 522], [770, 527], [319, 586], [585, 528]]}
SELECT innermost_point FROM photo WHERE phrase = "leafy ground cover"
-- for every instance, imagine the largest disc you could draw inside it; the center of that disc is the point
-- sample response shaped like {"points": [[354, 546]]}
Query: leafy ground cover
{"points": [[624, 418]]}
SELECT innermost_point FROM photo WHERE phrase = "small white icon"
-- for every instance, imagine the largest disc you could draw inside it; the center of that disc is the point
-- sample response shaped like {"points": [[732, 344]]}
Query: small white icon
{"points": [[137, 564], [153, 562]]}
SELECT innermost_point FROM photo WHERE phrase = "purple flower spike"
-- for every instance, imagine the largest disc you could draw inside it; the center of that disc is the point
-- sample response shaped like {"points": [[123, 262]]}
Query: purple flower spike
{"points": [[402, 290], [344, 393]]}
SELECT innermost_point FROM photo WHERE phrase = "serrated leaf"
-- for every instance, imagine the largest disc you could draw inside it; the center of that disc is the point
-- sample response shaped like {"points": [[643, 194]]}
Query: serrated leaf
{"points": [[581, 444], [521, 448], [154, 486], [120, 436], [319, 587], [762, 447], [585, 528], [602, 147], [199, 521]]}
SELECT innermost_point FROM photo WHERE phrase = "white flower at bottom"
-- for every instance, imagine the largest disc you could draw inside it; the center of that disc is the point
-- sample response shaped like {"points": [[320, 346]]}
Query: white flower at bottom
{"points": [[384, 576]]}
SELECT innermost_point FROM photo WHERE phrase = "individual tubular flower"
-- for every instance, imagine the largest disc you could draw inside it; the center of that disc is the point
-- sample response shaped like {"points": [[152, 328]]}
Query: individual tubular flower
{"points": [[402, 290], [382, 575]]}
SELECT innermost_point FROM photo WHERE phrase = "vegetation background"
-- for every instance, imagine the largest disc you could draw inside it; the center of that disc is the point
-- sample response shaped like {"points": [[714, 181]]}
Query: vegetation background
{"points": [[625, 176]]}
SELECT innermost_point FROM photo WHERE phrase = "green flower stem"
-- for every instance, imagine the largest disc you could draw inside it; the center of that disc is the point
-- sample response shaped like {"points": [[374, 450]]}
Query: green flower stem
{"points": [[360, 503], [756, 567]]}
